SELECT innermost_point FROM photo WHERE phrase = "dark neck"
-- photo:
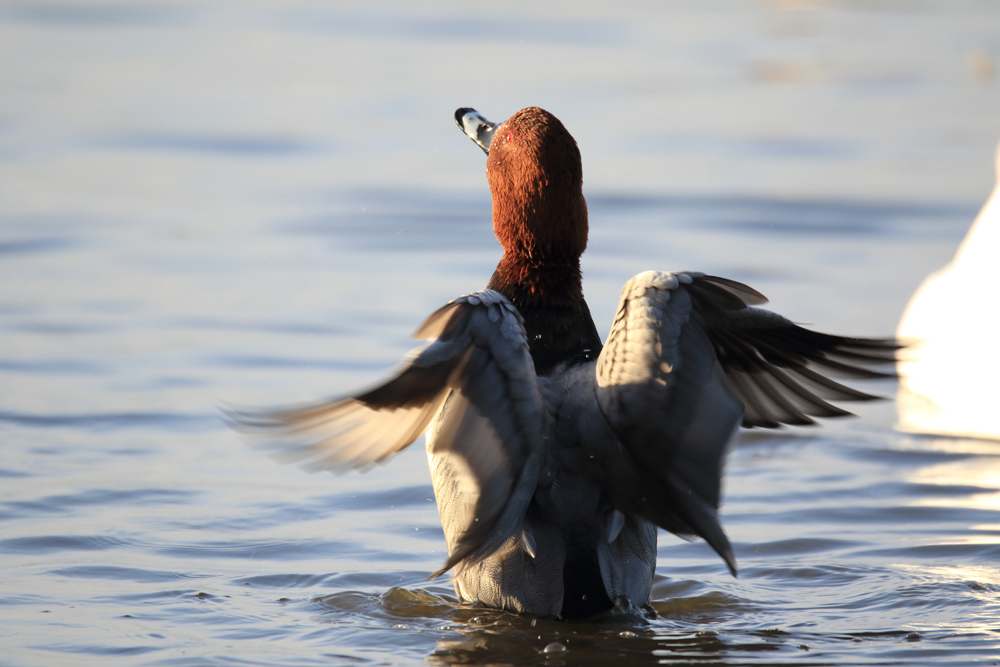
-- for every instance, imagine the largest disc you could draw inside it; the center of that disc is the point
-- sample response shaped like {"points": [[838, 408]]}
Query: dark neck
{"points": [[549, 295]]}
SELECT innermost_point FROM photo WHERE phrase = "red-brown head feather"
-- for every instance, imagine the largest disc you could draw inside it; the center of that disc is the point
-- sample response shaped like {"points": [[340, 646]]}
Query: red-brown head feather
{"points": [[540, 219], [536, 178]]}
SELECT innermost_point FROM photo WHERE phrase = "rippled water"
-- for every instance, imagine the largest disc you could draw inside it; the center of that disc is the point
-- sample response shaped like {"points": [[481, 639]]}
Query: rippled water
{"points": [[256, 203]]}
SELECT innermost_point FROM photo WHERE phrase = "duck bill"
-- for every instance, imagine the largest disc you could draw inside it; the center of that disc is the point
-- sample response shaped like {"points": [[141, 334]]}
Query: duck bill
{"points": [[476, 127]]}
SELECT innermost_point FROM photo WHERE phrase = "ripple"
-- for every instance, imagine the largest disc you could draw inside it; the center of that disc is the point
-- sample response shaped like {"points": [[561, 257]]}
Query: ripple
{"points": [[831, 217], [825, 575], [55, 543], [905, 458], [710, 607], [284, 580], [893, 515], [321, 507], [263, 361], [416, 603], [37, 245], [978, 553], [794, 546], [379, 581], [19, 600], [59, 329], [97, 649], [280, 550], [65, 503], [114, 421], [167, 595], [281, 327], [881, 490], [116, 573], [53, 366], [404, 496]]}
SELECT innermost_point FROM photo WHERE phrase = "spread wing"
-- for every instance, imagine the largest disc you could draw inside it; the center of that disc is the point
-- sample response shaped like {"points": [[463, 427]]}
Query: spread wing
{"points": [[778, 368], [479, 368], [664, 394], [687, 361]]}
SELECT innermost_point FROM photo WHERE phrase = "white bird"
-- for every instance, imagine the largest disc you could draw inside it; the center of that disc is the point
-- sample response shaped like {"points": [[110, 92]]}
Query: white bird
{"points": [[553, 457], [952, 325]]}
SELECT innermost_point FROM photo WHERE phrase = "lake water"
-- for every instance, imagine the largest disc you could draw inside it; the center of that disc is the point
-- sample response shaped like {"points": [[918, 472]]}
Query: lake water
{"points": [[255, 203]]}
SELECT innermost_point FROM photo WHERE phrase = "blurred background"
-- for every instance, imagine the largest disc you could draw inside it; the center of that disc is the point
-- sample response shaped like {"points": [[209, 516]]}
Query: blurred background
{"points": [[255, 203]]}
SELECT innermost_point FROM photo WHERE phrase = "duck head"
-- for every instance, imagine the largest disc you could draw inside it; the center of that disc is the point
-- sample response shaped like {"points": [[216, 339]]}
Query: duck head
{"points": [[540, 218], [536, 178]]}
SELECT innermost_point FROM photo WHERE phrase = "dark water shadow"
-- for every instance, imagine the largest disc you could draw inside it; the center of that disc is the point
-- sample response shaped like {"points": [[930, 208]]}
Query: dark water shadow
{"points": [[113, 421], [53, 366], [61, 504], [36, 246]]}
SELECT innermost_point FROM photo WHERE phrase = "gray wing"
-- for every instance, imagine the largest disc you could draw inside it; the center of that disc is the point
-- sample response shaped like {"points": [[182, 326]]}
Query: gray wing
{"points": [[686, 362], [665, 396], [485, 447], [479, 369]]}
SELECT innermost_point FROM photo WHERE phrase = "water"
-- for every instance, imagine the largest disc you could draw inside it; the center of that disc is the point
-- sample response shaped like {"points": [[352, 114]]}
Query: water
{"points": [[256, 203]]}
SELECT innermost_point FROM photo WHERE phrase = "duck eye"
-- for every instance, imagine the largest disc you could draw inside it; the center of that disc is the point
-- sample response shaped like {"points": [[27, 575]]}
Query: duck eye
{"points": [[508, 137]]}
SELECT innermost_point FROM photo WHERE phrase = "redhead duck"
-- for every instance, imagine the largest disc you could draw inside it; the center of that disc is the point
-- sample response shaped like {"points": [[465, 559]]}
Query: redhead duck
{"points": [[554, 457], [952, 327]]}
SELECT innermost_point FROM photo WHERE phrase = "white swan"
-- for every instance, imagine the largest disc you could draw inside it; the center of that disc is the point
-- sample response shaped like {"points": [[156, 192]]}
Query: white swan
{"points": [[948, 378]]}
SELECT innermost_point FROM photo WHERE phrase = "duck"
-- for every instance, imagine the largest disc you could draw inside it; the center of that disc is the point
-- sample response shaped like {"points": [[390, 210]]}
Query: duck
{"points": [[949, 327], [555, 456]]}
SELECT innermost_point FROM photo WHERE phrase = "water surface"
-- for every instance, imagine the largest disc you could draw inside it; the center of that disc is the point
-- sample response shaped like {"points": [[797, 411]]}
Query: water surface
{"points": [[257, 202]]}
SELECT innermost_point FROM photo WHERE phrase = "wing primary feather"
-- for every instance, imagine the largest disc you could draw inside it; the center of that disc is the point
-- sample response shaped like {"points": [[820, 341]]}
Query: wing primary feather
{"points": [[717, 295], [835, 390], [775, 365], [800, 343], [815, 405], [787, 413], [850, 370], [756, 414], [744, 292]]}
